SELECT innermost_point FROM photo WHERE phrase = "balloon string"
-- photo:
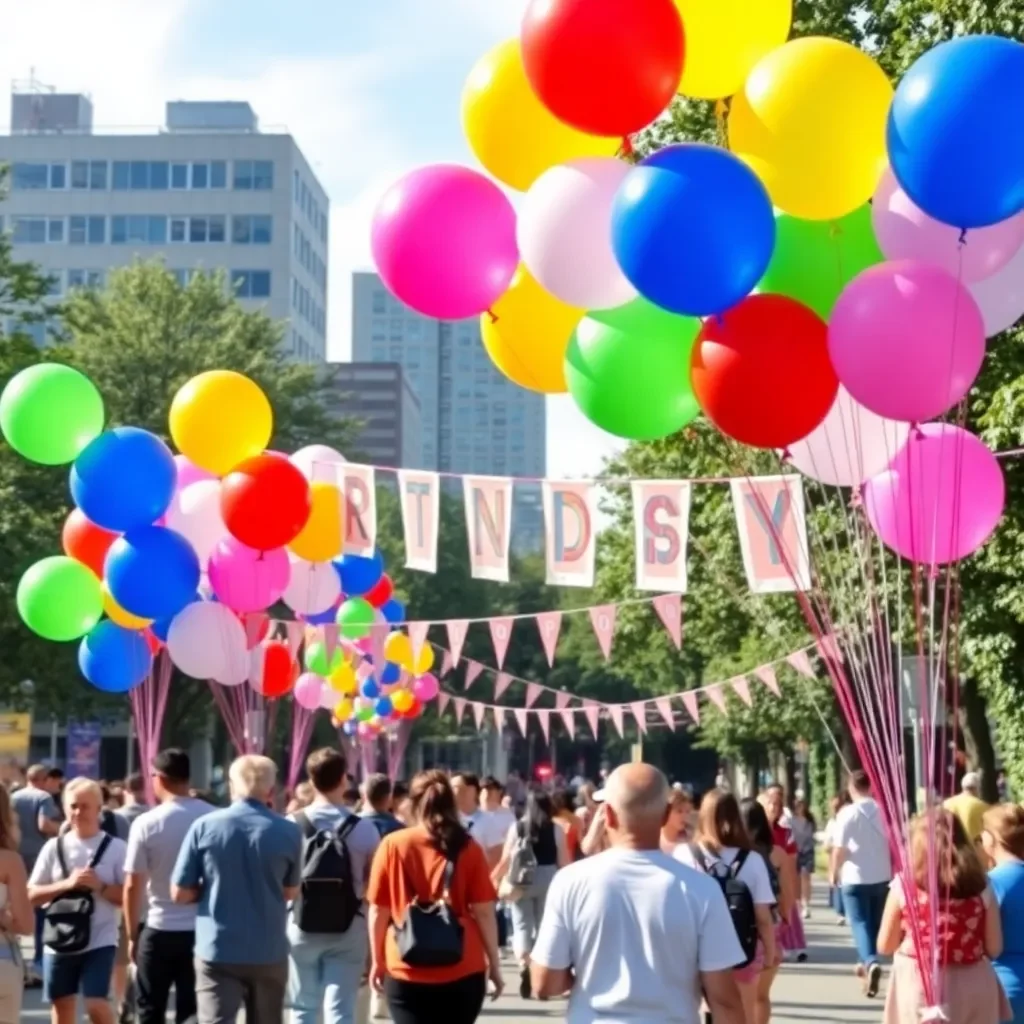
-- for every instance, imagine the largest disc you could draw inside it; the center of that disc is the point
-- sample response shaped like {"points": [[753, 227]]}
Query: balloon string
{"points": [[721, 112], [626, 149], [493, 316]]}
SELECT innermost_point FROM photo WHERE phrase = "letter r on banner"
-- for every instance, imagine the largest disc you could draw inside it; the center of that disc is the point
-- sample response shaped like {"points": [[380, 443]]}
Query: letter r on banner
{"points": [[360, 510]]}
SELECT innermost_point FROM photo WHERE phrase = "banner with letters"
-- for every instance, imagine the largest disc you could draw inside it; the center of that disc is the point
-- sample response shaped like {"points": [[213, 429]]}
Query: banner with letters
{"points": [[420, 496], [570, 517], [772, 525], [360, 520], [661, 521], [488, 502]]}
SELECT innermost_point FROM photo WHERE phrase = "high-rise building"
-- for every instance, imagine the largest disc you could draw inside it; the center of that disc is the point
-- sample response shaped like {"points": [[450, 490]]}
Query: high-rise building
{"points": [[206, 191], [474, 420]]}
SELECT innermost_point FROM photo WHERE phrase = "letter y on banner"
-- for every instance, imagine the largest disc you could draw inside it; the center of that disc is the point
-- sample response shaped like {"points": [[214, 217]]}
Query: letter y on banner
{"points": [[420, 495], [360, 525], [488, 525], [772, 526], [661, 523], [570, 514]]}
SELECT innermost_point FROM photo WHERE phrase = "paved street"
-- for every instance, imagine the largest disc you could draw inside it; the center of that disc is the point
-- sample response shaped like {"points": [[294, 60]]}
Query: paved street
{"points": [[822, 990]]}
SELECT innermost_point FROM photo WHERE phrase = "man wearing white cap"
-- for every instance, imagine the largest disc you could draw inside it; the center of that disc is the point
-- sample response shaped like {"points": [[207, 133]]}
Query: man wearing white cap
{"points": [[968, 805]]}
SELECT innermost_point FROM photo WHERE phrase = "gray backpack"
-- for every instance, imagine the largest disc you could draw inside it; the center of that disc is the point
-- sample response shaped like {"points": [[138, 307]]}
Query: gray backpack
{"points": [[523, 863]]}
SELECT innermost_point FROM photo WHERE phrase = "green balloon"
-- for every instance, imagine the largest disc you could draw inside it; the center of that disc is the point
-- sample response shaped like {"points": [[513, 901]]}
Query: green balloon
{"points": [[355, 617], [814, 260], [316, 659], [59, 598], [50, 412], [629, 370], [365, 714]]}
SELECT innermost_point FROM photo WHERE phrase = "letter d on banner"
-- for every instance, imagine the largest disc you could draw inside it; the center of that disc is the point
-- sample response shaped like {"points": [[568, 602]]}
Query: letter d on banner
{"points": [[570, 511]]}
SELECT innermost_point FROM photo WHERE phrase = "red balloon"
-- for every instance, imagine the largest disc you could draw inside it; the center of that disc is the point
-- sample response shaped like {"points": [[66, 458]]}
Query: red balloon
{"points": [[86, 542], [278, 677], [413, 711], [380, 593], [608, 67], [265, 502], [761, 371], [152, 641]]}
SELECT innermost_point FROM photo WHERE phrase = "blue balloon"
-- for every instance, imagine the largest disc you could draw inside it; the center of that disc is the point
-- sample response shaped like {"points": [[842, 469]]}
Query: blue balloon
{"points": [[114, 659], [152, 572], [956, 131], [393, 610], [322, 618], [391, 673], [383, 707], [349, 728], [359, 574], [693, 229], [124, 479], [369, 689]]}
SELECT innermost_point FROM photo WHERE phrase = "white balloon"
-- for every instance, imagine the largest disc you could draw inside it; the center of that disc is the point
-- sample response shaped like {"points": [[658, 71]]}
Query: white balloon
{"points": [[195, 514], [850, 445], [313, 587], [330, 698], [1001, 296], [206, 641], [318, 462], [565, 233]]}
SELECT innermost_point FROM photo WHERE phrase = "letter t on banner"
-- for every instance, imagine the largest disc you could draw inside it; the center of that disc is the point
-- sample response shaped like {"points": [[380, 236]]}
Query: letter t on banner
{"points": [[570, 511], [360, 510], [420, 495]]}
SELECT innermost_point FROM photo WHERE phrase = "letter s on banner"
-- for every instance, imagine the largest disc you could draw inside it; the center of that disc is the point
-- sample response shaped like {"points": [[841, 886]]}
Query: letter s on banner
{"points": [[661, 522]]}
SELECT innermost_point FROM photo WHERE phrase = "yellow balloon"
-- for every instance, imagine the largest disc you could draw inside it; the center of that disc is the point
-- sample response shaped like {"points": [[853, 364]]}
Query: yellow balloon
{"points": [[424, 661], [119, 615], [528, 335], [398, 649], [343, 710], [343, 679], [220, 418], [725, 39], [402, 700], [810, 122], [511, 132], [320, 538]]}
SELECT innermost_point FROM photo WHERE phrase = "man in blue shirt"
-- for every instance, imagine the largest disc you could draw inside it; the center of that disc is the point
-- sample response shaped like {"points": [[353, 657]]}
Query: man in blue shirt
{"points": [[377, 794], [242, 866]]}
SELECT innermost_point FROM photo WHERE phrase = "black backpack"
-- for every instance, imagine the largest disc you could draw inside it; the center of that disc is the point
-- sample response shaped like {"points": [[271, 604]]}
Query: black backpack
{"points": [[327, 903], [67, 927], [738, 897]]}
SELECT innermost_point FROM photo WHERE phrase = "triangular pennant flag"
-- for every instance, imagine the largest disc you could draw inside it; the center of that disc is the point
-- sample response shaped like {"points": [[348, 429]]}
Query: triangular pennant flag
{"points": [[330, 634], [742, 689], [592, 713], [562, 699], [418, 637], [618, 716], [479, 710], [691, 704], [639, 709], [294, 631], [501, 634], [521, 719], [664, 706], [446, 663], [602, 618], [715, 695], [502, 681], [533, 692], [828, 645], [378, 634], [473, 670], [569, 721], [456, 637], [766, 673], [799, 661], [460, 708], [670, 610], [544, 717], [549, 625], [443, 699], [254, 624]]}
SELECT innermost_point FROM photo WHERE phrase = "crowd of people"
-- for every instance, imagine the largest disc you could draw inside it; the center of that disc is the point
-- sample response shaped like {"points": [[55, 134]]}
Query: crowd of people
{"points": [[398, 902]]}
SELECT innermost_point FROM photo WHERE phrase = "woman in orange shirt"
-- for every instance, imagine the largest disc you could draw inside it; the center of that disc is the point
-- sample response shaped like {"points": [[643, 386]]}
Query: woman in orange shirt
{"points": [[409, 866]]}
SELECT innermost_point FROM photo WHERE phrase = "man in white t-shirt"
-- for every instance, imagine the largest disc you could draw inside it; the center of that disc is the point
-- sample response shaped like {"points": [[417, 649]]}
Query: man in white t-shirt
{"points": [[862, 866], [633, 935]]}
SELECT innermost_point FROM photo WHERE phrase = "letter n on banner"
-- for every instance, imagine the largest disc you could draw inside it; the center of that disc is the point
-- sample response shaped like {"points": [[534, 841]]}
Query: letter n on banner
{"points": [[488, 525], [360, 509], [420, 494], [570, 512], [772, 526], [661, 522]]}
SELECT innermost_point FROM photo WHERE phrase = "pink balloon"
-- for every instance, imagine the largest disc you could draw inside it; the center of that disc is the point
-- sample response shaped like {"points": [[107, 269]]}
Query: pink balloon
{"points": [[444, 241], [941, 498], [313, 587], [309, 688], [366, 731], [195, 513], [206, 641], [565, 233], [905, 232], [906, 340], [425, 688], [189, 472], [247, 580], [1001, 296]]}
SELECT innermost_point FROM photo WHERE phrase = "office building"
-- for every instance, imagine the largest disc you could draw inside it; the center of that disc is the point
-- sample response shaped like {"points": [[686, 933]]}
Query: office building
{"points": [[206, 191], [380, 397], [474, 420]]}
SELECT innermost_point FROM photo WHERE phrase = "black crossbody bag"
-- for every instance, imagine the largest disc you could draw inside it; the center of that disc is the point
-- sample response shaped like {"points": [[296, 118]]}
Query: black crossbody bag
{"points": [[431, 934], [67, 927]]}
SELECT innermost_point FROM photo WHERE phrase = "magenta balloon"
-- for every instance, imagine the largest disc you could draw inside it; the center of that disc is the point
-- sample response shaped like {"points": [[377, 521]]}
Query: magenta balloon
{"points": [[906, 340], [309, 687], [189, 472], [905, 232], [425, 688], [444, 241], [247, 580], [940, 499]]}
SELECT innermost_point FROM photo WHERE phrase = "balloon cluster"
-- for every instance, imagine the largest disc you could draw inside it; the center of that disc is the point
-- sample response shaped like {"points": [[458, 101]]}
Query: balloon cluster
{"points": [[824, 279], [179, 550]]}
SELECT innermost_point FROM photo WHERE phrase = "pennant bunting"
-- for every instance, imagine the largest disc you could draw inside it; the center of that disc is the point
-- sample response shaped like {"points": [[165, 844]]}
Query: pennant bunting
{"points": [[639, 709], [446, 663], [562, 699], [670, 610], [569, 721], [417, 637], [360, 519], [522, 719], [510, 717], [766, 673], [533, 692], [330, 635], [501, 634], [570, 515], [488, 502], [420, 497], [665, 709], [295, 633], [479, 710], [460, 708], [544, 718], [798, 660], [255, 623], [715, 695], [772, 527], [617, 713], [378, 634], [692, 705], [592, 713], [502, 681], [742, 690], [443, 699], [602, 618], [828, 645], [661, 519], [473, 670], [549, 624], [457, 629]]}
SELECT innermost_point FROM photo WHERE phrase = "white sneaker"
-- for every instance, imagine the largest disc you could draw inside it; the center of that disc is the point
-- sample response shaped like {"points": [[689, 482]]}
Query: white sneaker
{"points": [[807, 913]]}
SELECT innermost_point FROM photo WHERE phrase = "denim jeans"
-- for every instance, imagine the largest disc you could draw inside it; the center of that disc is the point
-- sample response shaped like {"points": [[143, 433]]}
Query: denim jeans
{"points": [[528, 910], [835, 899], [864, 906], [37, 958], [325, 971]]}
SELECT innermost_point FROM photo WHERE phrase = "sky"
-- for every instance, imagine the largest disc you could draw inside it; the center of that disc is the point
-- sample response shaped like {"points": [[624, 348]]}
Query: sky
{"points": [[368, 89]]}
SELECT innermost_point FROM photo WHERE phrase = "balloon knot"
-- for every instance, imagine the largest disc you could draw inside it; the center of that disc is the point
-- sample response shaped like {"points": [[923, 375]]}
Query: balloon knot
{"points": [[856, 498], [916, 431], [493, 316], [721, 108], [933, 574], [626, 149], [962, 240], [786, 456], [834, 229]]}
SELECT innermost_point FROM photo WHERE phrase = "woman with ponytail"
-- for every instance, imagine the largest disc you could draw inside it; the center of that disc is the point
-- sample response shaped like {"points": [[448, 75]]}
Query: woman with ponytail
{"points": [[410, 868]]}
